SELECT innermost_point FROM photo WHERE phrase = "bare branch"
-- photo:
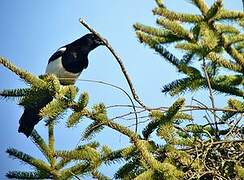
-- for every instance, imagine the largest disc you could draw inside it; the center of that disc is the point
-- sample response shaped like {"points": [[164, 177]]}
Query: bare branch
{"points": [[207, 114], [211, 99], [184, 109], [120, 62], [114, 86], [234, 125]]}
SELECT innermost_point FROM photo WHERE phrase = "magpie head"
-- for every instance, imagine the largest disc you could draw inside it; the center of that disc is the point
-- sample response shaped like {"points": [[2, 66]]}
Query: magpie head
{"points": [[92, 40]]}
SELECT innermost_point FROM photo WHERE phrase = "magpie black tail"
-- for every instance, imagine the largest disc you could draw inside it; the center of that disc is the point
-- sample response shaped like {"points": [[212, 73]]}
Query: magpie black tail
{"points": [[27, 121], [31, 116]]}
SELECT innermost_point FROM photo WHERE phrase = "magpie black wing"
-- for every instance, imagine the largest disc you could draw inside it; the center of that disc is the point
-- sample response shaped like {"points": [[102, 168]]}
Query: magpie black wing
{"points": [[74, 61], [60, 52]]}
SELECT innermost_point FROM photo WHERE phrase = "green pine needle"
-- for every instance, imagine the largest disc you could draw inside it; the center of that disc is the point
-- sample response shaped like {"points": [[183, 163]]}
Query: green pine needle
{"points": [[202, 5], [74, 119], [93, 129], [41, 144], [54, 108], [27, 175], [38, 164], [183, 17], [175, 28]]}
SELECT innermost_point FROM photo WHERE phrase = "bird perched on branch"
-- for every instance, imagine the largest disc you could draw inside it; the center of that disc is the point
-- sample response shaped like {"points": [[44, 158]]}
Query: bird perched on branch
{"points": [[67, 64]]}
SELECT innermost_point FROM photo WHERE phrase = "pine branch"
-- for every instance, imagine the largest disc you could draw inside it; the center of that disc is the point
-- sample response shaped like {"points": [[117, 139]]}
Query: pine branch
{"points": [[152, 31], [14, 93], [183, 17], [181, 65], [39, 164], [27, 77], [208, 38], [219, 60], [229, 15], [159, 118], [75, 118], [160, 3], [178, 104], [238, 57], [27, 175], [110, 156], [203, 7], [66, 160], [42, 146], [222, 28], [214, 10], [83, 100], [75, 176], [167, 55], [187, 58], [225, 88], [231, 80], [146, 175], [152, 162], [130, 166], [113, 125], [79, 168], [175, 28], [54, 108], [182, 85], [154, 41], [236, 104], [91, 130], [51, 142], [168, 170], [200, 50], [232, 39], [85, 153]]}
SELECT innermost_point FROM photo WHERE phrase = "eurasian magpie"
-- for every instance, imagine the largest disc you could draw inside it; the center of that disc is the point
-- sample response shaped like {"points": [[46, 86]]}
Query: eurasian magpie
{"points": [[67, 62]]}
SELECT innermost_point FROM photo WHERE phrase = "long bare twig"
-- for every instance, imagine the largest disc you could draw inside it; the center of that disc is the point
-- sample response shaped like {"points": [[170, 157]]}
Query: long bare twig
{"points": [[122, 67], [114, 86], [184, 109], [207, 116], [120, 62], [211, 99], [234, 126]]}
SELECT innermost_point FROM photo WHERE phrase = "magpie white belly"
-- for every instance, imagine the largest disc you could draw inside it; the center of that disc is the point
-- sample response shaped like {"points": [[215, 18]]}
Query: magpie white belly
{"points": [[56, 67]]}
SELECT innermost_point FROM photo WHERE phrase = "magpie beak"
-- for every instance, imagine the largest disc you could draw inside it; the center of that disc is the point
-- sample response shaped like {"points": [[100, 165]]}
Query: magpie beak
{"points": [[66, 63]]}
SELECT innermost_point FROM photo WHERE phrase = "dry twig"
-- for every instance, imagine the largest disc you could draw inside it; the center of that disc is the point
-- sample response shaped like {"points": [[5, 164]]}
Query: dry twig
{"points": [[119, 60], [122, 67], [211, 99]]}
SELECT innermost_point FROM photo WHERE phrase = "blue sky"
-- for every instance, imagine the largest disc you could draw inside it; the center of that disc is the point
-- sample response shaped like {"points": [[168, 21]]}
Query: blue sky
{"points": [[32, 30]]}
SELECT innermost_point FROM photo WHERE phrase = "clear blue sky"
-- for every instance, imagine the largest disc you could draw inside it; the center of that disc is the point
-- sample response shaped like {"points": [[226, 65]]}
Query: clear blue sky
{"points": [[32, 30]]}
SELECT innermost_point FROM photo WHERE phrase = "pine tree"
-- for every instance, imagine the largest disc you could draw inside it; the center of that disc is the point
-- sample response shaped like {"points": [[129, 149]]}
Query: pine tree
{"points": [[184, 148], [209, 150]]}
